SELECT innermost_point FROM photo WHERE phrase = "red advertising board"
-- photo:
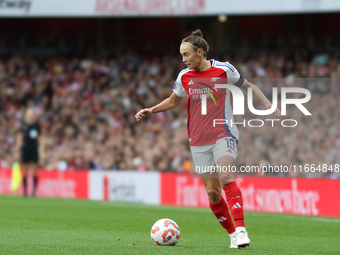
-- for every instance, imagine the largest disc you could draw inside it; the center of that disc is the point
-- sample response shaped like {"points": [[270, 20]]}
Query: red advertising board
{"points": [[68, 184], [279, 195]]}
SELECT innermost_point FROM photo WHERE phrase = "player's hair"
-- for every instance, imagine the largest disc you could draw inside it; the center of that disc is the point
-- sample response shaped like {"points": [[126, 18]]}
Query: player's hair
{"points": [[197, 41]]}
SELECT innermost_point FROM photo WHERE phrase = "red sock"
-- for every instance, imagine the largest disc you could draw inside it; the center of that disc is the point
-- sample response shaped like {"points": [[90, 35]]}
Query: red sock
{"points": [[221, 211], [235, 202]]}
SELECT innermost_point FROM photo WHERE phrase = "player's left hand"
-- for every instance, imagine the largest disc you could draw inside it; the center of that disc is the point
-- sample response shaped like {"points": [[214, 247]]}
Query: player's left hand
{"points": [[277, 112]]}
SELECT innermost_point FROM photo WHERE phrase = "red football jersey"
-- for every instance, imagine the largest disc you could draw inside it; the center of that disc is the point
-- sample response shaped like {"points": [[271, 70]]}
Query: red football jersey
{"points": [[201, 129]]}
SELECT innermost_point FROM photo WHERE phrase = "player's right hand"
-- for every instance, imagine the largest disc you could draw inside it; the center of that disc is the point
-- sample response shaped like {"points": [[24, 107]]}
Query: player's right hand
{"points": [[143, 113]]}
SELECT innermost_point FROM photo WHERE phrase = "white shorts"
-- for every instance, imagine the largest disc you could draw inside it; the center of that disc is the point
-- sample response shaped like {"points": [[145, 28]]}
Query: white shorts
{"points": [[205, 156]]}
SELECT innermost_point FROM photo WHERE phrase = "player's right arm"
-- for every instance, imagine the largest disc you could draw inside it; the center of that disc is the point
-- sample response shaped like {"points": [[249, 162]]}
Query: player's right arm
{"points": [[168, 104]]}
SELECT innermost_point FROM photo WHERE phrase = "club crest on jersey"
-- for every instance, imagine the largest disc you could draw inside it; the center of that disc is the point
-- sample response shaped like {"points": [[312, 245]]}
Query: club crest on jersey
{"points": [[214, 79]]}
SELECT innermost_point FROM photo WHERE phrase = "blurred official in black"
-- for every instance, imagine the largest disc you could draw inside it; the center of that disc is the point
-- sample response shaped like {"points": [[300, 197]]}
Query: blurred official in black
{"points": [[29, 146]]}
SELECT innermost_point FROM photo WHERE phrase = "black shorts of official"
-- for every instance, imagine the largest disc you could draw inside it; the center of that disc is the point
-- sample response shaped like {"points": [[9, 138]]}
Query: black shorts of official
{"points": [[29, 155]]}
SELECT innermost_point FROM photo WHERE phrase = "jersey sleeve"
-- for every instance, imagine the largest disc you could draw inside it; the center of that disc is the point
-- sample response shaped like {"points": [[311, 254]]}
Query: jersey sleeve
{"points": [[234, 76], [178, 87]]}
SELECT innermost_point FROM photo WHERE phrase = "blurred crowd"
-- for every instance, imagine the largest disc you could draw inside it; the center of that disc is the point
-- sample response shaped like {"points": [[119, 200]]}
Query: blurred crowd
{"points": [[86, 109]]}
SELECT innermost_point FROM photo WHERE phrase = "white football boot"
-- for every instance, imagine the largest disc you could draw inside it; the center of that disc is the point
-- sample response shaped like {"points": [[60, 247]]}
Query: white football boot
{"points": [[233, 240], [242, 237]]}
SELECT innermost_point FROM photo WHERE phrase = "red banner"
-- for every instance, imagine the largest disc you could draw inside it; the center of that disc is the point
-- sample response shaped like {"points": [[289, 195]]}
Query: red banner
{"points": [[68, 184], [279, 195]]}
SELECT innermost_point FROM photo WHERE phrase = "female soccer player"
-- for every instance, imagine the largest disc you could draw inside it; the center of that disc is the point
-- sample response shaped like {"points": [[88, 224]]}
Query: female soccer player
{"points": [[211, 145]]}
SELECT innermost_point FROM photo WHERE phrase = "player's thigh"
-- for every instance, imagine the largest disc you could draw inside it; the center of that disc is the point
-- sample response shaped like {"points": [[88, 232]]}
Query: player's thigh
{"points": [[228, 168], [203, 159], [34, 167], [24, 160], [24, 168], [225, 154], [34, 159], [24, 156]]}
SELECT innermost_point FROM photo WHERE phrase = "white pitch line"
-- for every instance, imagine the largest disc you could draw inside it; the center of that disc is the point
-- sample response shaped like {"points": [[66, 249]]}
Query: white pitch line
{"points": [[206, 210], [297, 217], [325, 219], [293, 217]]}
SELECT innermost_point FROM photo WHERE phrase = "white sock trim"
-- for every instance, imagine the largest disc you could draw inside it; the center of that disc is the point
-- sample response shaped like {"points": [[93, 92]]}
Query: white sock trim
{"points": [[232, 233], [240, 229]]}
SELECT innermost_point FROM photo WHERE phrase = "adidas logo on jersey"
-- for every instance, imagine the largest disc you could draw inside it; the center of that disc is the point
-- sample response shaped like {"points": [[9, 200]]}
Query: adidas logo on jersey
{"points": [[222, 219], [190, 82], [235, 206], [229, 151]]}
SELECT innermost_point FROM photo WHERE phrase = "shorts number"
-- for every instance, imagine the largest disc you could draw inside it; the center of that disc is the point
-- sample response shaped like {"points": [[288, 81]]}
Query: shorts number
{"points": [[230, 143]]}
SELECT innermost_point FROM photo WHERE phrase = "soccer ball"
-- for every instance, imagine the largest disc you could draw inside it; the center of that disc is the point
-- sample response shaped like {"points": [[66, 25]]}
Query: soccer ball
{"points": [[165, 232]]}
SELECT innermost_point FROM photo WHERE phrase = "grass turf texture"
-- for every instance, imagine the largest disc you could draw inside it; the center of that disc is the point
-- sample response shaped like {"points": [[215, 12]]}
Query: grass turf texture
{"points": [[62, 226]]}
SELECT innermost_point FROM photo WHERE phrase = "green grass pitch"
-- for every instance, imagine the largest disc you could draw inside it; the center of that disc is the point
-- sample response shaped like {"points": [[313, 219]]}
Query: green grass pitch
{"points": [[64, 226]]}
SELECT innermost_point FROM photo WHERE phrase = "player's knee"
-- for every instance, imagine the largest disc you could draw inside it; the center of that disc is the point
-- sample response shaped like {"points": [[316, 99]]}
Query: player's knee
{"points": [[214, 194], [225, 181]]}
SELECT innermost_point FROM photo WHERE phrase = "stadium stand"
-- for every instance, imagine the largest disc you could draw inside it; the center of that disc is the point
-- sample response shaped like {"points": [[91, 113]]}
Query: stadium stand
{"points": [[87, 105]]}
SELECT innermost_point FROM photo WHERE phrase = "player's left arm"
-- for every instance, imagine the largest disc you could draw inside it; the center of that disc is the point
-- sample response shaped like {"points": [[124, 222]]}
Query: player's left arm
{"points": [[260, 96], [41, 143], [236, 79]]}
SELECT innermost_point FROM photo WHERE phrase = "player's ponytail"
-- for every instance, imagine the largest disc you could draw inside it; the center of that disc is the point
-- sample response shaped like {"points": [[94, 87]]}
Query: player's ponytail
{"points": [[197, 41]]}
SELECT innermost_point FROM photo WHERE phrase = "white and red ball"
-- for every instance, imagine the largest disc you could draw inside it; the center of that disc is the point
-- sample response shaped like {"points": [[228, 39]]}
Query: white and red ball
{"points": [[165, 232]]}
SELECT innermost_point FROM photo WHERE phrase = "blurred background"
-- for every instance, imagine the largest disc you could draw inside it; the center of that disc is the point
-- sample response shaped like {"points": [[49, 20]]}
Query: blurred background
{"points": [[86, 67]]}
